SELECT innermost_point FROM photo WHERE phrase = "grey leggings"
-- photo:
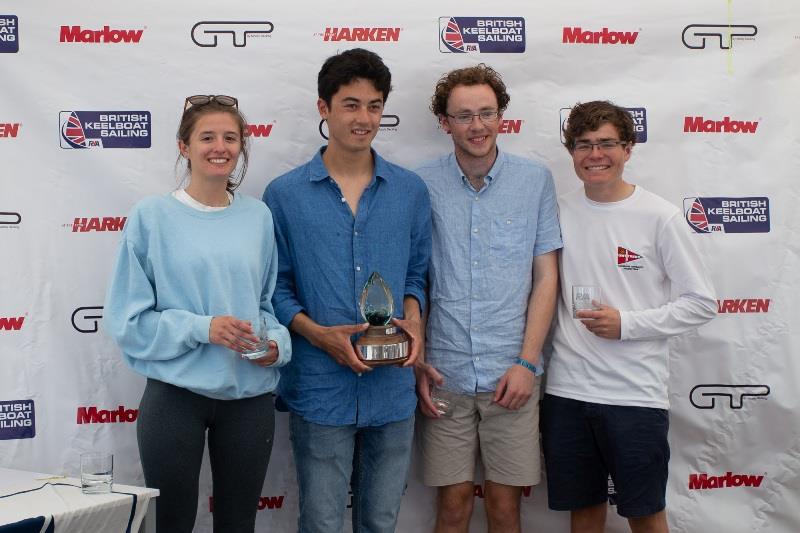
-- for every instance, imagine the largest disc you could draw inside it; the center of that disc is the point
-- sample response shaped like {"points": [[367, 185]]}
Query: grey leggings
{"points": [[171, 430]]}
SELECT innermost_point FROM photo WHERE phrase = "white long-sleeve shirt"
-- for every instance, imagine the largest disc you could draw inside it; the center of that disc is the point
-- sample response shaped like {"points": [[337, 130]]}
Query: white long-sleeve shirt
{"points": [[639, 252]]}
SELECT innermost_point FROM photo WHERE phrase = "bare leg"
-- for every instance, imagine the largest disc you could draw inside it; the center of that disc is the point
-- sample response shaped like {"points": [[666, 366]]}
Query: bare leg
{"points": [[502, 507], [654, 523], [454, 507], [589, 519]]}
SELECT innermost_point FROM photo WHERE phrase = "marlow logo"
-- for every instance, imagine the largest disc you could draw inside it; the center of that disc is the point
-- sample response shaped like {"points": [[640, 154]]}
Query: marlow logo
{"points": [[361, 34], [76, 34], [487, 35], [264, 502], [17, 420], [9, 129], [206, 33], [577, 35], [259, 130], [704, 481], [11, 323], [743, 305], [86, 224], [699, 124], [727, 215], [625, 257], [705, 396], [695, 35], [93, 415]]}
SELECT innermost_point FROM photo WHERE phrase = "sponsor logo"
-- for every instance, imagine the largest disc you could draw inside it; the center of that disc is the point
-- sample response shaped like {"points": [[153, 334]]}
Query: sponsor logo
{"points": [[17, 420], [9, 129], [361, 34], [104, 129], [207, 33], [726, 125], [484, 35], [11, 323], [9, 34], [744, 305], [87, 319], [93, 415], [704, 481], [577, 35], [86, 224], [727, 215], [695, 36], [628, 259], [76, 34], [10, 220], [509, 126], [705, 396], [259, 130], [638, 114], [388, 123], [612, 492], [264, 502]]}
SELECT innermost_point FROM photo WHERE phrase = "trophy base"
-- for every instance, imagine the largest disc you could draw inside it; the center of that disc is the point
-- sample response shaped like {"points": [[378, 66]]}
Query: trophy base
{"points": [[382, 345]]}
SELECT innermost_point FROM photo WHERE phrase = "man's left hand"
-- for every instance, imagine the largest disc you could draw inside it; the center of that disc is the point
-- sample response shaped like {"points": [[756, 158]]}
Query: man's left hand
{"points": [[605, 322], [515, 387], [413, 328]]}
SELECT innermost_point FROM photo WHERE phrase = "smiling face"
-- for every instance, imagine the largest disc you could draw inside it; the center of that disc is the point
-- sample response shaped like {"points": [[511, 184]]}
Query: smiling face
{"points": [[213, 148], [353, 116], [601, 169], [476, 141]]}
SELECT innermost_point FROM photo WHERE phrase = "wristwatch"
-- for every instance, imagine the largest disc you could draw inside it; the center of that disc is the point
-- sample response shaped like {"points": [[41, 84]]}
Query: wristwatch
{"points": [[537, 370]]}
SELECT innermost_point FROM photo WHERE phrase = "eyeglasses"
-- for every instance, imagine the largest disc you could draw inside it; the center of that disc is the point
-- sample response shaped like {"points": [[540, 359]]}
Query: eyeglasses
{"points": [[205, 99], [583, 147], [466, 118]]}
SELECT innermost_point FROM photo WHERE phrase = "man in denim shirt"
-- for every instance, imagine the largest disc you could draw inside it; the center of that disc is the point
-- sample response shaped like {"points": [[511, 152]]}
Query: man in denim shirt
{"points": [[493, 279], [338, 218]]}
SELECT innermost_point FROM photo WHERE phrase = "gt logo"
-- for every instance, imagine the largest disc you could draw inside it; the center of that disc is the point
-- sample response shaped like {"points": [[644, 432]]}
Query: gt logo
{"points": [[705, 396], [698, 33], [206, 32]]}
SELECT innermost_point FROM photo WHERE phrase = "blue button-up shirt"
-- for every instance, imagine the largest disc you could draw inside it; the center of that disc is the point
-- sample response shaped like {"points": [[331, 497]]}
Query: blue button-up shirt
{"points": [[325, 256], [481, 266]]}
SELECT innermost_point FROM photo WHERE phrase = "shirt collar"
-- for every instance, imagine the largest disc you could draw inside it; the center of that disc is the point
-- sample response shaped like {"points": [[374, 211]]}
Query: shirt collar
{"points": [[497, 167], [319, 172]]}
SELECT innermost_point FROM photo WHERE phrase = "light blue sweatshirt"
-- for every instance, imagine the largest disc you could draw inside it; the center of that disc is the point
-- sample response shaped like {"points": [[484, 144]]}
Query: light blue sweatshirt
{"points": [[179, 267]]}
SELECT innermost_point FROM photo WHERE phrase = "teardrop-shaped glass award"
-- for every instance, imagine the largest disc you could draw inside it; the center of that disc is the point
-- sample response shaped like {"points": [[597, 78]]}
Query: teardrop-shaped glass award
{"points": [[376, 304]]}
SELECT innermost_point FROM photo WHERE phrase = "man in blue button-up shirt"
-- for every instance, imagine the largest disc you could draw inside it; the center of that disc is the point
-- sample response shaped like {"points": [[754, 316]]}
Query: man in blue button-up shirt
{"points": [[338, 218], [493, 279]]}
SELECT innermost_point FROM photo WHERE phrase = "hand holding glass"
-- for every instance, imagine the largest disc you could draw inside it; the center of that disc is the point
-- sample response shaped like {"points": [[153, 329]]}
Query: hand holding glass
{"points": [[582, 298], [259, 349]]}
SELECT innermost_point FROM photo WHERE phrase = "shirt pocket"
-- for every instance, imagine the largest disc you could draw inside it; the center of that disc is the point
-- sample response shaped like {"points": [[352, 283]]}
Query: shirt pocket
{"points": [[508, 239]]}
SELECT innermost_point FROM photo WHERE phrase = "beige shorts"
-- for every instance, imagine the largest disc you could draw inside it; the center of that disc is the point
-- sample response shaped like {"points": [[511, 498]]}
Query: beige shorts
{"points": [[508, 441]]}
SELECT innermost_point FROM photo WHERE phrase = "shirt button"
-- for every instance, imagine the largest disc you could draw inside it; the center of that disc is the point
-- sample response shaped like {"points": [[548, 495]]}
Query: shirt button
{"points": [[475, 230], [475, 263], [475, 328], [355, 233], [476, 198], [477, 359], [343, 199], [475, 296], [358, 269]]}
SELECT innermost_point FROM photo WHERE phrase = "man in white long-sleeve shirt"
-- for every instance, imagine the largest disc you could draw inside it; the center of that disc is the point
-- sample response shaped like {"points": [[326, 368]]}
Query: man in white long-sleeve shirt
{"points": [[606, 402]]}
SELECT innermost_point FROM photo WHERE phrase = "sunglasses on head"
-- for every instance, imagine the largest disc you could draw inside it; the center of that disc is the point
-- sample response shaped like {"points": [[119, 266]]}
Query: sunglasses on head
{"points": [[204, 99]]}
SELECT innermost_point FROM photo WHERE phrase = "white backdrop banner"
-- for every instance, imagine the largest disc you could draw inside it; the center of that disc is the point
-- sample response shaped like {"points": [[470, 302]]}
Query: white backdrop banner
{"points": [[91, 97]]}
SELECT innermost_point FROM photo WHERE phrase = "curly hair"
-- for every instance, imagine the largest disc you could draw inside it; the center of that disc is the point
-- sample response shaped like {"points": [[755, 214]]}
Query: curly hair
{"points": [[478, 75], [589, 116]]}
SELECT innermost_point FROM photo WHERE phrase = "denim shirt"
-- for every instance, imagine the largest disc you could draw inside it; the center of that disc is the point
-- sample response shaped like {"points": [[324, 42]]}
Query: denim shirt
{"points": [[325, 256], [481, 266]]}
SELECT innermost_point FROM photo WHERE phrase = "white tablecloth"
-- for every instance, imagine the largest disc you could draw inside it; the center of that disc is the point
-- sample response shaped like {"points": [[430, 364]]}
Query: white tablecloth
{"points": [[65, 508]]}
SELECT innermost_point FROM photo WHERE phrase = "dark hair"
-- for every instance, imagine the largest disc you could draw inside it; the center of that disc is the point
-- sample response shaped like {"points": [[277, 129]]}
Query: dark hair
{"points": [[189, 121], [590, 116], [480, 74], [347, 66]]}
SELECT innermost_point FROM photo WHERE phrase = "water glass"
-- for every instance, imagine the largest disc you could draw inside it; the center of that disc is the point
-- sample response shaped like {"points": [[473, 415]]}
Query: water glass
{"points": [[97, 472], [259, 349], [582, 297]]}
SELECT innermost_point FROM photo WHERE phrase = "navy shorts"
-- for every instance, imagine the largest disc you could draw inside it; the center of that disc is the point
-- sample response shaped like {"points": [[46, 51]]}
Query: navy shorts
{"points": [[585, 442]]}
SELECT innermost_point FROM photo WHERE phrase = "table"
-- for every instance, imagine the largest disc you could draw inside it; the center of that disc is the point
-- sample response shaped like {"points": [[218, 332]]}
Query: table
{"points": [[31, 501]]}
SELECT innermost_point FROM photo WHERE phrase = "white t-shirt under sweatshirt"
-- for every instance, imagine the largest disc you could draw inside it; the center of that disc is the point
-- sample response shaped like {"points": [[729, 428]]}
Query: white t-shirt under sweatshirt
{"points": [[639, 252]]}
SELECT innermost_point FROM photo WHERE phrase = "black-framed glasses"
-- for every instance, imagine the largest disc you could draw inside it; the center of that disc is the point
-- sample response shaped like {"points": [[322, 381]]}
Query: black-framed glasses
{"points": [[204, 99], [608, 145], [488, 115]]}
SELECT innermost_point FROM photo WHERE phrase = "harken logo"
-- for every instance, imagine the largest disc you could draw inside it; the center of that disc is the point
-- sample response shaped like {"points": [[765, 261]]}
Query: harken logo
{"points": [[705, 396], [9, 34], [699, 124], [360, 34], [11, 323], [106, 35], [638, 114], [17, 420], [104, 129], [727, 215], [9, 129], [696, 36], [483, 35], [628, 259], [388, 123], [578, 35], [743, 305], [729, 480], [208, 33], [93, 415], [259, 130], [87, 319], [509, 126], [87, 224]]}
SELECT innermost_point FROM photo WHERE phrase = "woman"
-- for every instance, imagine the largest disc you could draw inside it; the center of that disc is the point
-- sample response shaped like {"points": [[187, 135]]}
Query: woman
{"points": [[194, 276]]}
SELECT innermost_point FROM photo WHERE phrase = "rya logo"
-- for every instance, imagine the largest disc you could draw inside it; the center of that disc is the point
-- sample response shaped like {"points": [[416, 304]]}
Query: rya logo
{"points": [[727, 215], [86, 224], [208, 33], [743, 305], [705, 396], [17, 420], [9, 34], [105, 129], [361, 34], [700, 124], [76, 34], [487, 35], [577, 35], [704, 481], [93, 415], [695, 36]]}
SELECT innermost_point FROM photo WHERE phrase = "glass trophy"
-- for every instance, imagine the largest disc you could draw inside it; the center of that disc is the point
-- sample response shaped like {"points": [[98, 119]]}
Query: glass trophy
{"points": [[383, 343]]}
